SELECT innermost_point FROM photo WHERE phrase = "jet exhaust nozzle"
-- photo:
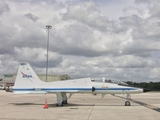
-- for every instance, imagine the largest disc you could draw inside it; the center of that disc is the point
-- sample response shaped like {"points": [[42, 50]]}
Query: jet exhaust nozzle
{"points": [[146, 90]]}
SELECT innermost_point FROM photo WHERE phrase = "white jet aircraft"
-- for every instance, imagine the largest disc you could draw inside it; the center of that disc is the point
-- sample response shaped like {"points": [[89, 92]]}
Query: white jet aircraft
{"points": [[28, 82]]}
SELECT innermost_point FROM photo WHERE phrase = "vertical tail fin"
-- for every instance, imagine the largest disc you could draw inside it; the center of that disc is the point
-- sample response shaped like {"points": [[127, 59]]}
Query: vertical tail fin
{"points": [[26, 77]]}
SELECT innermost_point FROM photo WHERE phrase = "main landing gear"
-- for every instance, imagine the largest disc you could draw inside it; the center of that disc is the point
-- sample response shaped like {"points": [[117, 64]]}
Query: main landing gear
{"points": [[59, 104], [127, 103], [63, 102], [61, 99]]}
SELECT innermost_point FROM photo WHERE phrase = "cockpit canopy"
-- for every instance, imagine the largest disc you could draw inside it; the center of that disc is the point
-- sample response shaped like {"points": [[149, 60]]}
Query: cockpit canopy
{"points": [[108, 81]]}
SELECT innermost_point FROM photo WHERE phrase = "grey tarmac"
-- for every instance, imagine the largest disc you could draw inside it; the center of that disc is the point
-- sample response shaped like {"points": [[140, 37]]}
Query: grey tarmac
{"points": [[144, 106]]}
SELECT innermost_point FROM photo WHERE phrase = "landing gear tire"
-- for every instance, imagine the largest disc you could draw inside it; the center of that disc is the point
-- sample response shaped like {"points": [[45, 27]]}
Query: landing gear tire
{"points": [[65, 102], [127, 103], [59, 104]]}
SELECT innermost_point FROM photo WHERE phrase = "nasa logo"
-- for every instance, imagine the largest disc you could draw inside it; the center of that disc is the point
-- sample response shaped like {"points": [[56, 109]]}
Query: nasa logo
{"points": [[26, 76]]}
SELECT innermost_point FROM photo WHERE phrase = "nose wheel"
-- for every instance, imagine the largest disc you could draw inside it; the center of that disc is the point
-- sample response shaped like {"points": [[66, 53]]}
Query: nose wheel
{"points": [[127, 103]]}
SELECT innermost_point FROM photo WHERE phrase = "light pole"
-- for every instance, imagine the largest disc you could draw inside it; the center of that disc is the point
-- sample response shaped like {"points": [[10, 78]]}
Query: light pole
{"points": [[48, 27]]}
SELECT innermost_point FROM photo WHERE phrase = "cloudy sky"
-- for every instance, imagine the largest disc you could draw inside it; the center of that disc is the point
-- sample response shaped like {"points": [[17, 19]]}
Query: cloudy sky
{"points": [[117, 39]]}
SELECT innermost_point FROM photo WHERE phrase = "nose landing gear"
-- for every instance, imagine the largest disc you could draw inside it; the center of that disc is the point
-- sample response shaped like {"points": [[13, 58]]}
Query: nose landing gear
{"points": [[127, 103]]}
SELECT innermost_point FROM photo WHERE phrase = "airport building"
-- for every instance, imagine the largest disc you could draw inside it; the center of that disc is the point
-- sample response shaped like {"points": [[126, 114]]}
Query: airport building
{"points": [[9, 79]]}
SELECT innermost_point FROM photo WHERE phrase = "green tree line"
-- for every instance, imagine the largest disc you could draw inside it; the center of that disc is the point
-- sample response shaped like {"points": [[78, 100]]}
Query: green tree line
{"points": [[154, 86]]}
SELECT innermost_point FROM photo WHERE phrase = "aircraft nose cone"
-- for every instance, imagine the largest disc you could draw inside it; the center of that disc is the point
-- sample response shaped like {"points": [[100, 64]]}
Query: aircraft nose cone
{"points": [[146, 90]]}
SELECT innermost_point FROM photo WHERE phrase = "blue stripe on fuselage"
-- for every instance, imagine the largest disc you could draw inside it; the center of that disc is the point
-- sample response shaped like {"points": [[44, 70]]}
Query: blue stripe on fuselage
{"points": [[78, 89]]}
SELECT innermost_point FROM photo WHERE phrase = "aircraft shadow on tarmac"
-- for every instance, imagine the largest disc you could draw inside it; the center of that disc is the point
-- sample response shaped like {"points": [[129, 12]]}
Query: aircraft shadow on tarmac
{"points": [[147, 105], [65, 105], [143, 104]]}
